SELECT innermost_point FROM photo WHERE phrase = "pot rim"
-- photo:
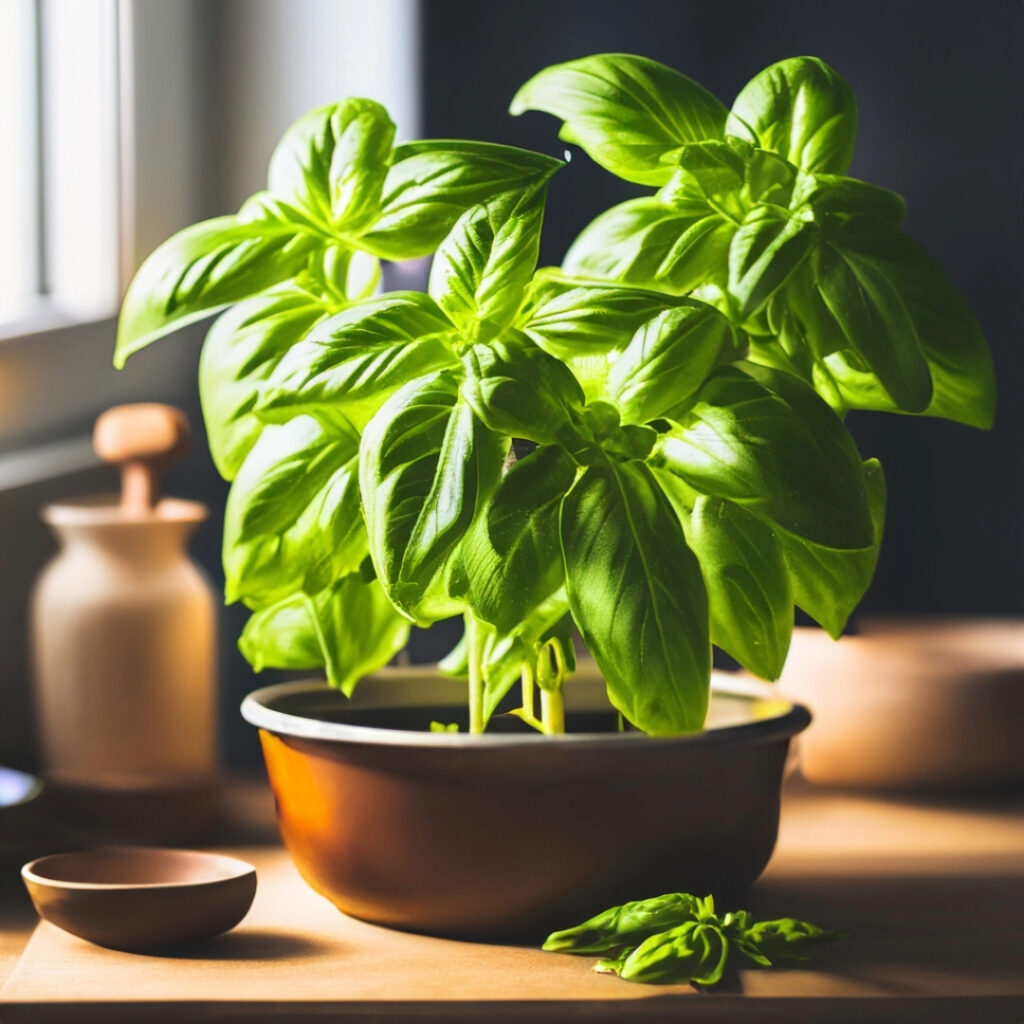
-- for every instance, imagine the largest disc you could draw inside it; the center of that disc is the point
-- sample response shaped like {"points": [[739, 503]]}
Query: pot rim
{"points": [[782, 718]]}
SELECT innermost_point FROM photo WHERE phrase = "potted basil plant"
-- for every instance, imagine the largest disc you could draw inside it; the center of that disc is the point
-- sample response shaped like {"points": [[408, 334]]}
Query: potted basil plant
{"points": [[644, 447]]}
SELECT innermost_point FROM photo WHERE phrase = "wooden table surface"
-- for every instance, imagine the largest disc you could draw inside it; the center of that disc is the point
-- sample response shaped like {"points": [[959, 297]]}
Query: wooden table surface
{"points": [[931, 894]]}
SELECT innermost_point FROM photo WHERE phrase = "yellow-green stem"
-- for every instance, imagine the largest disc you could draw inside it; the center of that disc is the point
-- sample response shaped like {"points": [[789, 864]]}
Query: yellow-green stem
{"points": [[476, 679], [552, 711], [527, 689]]}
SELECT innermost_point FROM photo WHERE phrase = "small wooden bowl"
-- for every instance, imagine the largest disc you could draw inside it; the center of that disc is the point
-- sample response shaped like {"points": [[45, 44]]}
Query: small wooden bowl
{"points": [[135, 898]]}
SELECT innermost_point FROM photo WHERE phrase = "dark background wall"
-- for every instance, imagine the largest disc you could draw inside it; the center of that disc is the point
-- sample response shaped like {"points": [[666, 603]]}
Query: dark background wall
{"points": [[940, 88]]}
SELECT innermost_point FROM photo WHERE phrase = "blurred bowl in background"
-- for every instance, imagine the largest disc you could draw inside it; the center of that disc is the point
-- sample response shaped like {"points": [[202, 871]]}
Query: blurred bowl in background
{"points": [[912, 704]]}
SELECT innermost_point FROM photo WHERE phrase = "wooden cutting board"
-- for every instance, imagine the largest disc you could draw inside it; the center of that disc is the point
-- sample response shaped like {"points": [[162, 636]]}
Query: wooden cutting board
{"points": [[932, 896]]}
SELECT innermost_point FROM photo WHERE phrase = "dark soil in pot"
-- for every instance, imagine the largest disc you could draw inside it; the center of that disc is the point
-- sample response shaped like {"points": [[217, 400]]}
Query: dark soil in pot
{"points": [[510, 835]]}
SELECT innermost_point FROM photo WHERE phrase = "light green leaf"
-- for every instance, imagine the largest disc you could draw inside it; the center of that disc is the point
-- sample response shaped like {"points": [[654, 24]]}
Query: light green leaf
{"points": [[432, 183], [645, 243], [481, 269], [706, 171], [350, 629], [668, 359], [352, 361], [205, 267], [426, 465], [828, 583], [511, 561], [767, 248], [833, 195], [867, 306], [802, 110], [240, 351], [629, 113], [516, 388], [765, 440], [749, 592], [332, 163], [292, 520], [637, 595]]}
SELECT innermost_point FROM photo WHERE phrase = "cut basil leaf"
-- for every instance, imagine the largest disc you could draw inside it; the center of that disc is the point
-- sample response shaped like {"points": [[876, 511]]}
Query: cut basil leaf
{"points": [[511, 561], [629, 113], [766, 441], [668, 359], [426, 465], [353, 360], [349, 628], [332, 163], [292, 520], [204, 268], [430, 184], [643, 242], [749, 592], [637, 595], [481, 269], [516, 388], [239, 354], [802, 110]]}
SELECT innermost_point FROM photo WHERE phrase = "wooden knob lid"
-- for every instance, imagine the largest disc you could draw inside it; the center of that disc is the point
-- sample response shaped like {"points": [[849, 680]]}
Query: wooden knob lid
{"points": [[142, 439]]}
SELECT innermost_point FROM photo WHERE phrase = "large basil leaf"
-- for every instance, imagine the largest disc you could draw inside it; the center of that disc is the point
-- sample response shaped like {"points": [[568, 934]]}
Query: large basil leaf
{"points": [[629, 113], [765, 440], [430, 184], [356, 358], [517, 389], [207, 266], [749, 591], [332, 163], [867, 306], [828, 583], [511, 561], [481, 269], [426, 465], [960, 367], [646, 243], [569, 318], [350, 629], [637, 595], [802, 110], [668, 359], [833, 195], [292, 520], [240, 352], [768, 246]]}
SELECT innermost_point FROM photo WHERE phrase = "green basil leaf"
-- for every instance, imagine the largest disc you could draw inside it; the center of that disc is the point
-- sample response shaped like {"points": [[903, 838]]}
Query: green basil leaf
{"points": [[353, 360], [802, 110], [240, 352], [637, 595], [629, 113], [693, 952], [292, 520], [787, 938], [768, 246], [350, 629], [707, 170], [872, 314], [959, 363], [749, 592], [516, 388], [332, 163], [481, 269], [833, 195], [205, 267], [568, 317], [765, 440], [645, 243], [432, 183], [510, 561], [828, 583], [426, 465], [668, 359]]}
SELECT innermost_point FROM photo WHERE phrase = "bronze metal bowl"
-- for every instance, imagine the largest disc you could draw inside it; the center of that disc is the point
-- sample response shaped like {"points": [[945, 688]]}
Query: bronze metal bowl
{"points": [[512, 834]]}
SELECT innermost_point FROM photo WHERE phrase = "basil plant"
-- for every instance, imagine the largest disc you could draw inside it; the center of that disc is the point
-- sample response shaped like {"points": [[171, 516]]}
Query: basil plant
{"points": [[645, 445]]}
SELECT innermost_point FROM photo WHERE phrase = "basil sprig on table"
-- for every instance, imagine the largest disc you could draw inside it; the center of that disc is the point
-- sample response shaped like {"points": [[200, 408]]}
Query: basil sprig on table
{"points": [[678, 938], [641, 445], [754, 213]]}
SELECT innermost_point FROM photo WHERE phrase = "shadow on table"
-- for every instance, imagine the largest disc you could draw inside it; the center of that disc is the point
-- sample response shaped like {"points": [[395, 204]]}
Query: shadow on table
{"points": [[247, 945]]}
